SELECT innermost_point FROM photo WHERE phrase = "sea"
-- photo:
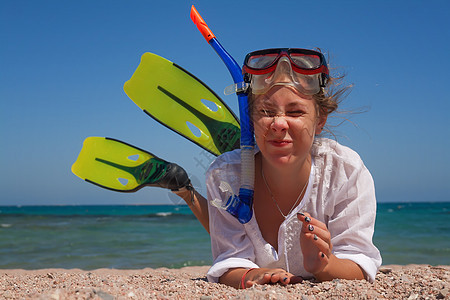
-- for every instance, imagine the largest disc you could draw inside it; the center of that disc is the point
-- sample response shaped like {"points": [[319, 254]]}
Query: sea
{"points": [[141, 236]]}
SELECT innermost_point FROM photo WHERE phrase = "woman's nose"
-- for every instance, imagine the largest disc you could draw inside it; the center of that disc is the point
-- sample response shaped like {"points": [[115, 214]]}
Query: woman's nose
{"points": [[279, 123]]}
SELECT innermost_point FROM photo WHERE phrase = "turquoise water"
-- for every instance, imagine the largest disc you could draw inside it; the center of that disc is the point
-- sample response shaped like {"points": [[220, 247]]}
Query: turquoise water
{"points": [[413, 233], [130, 237]]}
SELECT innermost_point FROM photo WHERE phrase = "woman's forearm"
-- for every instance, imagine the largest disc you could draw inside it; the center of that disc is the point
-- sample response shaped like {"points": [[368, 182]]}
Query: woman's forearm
{"points": [[198, 205]]}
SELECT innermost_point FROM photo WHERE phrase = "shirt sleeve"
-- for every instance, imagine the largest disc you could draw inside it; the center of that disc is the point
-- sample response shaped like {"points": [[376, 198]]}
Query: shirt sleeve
{"points": [[230, 245], [352, 223]]}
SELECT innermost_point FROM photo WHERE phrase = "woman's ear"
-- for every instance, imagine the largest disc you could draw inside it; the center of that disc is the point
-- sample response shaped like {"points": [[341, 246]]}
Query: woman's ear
{"points": [[321, 121]]}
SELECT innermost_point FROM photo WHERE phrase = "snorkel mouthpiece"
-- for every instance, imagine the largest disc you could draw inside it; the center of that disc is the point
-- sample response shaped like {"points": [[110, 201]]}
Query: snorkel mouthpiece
{"points": [[240, 206]]}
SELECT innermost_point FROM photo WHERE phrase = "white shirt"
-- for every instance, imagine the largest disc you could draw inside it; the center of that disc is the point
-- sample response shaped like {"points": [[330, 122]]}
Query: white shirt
{"points": [[340, 194]]}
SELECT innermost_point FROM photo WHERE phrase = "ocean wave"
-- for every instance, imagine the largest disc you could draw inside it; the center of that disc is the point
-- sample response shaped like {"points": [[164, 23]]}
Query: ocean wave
{"points": [[164, 214]]}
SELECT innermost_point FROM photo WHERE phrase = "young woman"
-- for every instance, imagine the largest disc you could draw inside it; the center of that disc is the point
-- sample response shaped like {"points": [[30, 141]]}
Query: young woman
{"points": [[314, 200]]}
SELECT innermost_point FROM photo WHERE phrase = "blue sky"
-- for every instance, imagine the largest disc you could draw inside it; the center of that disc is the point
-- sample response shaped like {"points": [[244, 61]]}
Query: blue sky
{"points": [[63, 65]]}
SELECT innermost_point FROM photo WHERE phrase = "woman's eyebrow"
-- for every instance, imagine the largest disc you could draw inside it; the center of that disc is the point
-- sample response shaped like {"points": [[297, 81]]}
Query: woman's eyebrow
{"points": [[294, 105], [268, 104]]}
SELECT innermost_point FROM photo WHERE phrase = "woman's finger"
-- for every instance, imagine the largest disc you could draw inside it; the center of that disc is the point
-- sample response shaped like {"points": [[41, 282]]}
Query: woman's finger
{"points": [[322, 246], [321, 233], [320, 238], [306, 219], [324, 258], [249, 284], [274, 276]]}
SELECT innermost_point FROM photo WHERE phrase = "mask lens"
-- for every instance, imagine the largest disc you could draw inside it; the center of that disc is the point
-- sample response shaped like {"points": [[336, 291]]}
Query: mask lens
{"points": [[307, 84], [261, 61], [305, 61]]}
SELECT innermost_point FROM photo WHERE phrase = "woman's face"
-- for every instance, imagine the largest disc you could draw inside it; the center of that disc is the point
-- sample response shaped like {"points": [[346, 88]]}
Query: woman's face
{"points": [[285, 123]]}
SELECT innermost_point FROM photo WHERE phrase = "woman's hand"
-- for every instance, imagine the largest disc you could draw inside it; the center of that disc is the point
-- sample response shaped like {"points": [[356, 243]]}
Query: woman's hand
{"points": [[315, 240], [269, 276], [318, 259]]}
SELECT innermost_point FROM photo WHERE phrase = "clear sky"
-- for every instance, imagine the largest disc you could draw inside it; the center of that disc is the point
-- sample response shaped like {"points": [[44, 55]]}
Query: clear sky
{"points": [[63, 65]]}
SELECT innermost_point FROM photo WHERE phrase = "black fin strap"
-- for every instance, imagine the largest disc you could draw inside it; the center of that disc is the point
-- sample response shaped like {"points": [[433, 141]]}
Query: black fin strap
{"points": [[175, 177]]}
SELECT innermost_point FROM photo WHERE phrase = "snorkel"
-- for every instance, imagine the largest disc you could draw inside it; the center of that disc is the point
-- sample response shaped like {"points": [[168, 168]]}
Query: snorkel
{"points": [[238, 206]]}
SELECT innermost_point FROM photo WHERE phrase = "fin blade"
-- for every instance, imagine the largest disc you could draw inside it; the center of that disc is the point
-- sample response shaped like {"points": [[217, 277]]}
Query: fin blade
{"points": [[89, 165], [173, 96]]}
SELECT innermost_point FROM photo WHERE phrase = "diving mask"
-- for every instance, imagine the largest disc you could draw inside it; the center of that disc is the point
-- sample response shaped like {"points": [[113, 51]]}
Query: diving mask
{"points": [[305, 70]]}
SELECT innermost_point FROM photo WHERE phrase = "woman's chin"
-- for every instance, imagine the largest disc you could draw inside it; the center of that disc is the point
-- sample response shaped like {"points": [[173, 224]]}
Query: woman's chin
{"points": [[280, 159]]}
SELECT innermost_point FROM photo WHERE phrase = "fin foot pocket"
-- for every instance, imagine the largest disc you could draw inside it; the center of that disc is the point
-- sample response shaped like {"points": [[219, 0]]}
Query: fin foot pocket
{"points": [[175, 178], [229, 139]]}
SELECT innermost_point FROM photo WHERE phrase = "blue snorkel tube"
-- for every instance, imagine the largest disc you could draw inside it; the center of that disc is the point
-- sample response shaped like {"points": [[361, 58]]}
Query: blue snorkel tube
{"points": [[240, 206]]}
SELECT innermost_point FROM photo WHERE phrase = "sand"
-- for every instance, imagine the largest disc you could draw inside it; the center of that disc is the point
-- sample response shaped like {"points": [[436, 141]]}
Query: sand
{"points": [[392, 282]]}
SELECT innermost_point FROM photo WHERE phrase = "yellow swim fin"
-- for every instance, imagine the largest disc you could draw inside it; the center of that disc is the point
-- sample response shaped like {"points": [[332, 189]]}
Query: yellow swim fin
{"points": [[118, 166], [177, 99]]}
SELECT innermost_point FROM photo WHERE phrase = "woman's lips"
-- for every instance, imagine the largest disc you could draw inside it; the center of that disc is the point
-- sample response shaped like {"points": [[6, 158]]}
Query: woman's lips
{"points": [[280, 143]]}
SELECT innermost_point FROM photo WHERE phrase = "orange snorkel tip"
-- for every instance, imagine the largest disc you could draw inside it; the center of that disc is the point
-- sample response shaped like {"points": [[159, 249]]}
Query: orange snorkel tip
{"points": [[201, 25]]}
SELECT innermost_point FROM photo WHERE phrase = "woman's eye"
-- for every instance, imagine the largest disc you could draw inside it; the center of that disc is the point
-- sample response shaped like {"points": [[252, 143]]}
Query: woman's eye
{"points": [[295, 114], [268, 113]]}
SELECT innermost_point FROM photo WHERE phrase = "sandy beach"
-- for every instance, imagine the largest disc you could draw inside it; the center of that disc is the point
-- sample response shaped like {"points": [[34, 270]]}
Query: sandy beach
{"points": [[392, 282]]}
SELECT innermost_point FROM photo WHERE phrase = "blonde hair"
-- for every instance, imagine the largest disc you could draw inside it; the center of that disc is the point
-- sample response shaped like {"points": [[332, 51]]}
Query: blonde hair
{"points": [[329, 98]]}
